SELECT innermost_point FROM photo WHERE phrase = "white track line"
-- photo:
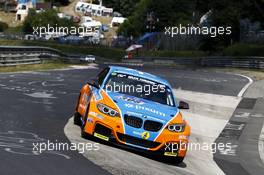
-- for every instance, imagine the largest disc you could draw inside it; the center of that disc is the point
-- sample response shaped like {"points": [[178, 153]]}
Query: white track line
{"points": [[205, 129], [241, 93], [261, 144], [205, 98]]}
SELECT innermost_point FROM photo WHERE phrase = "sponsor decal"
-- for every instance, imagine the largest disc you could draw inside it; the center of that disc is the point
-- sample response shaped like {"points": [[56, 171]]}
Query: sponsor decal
{"points": [[145, 135], [137, 133], [89, 120], [100, 136], [134, 114], [154, 118], [129, 105], [94, 114], [114, 73], [172, 154], [97, 94], [128, 99], [138, 107], [183, 137]]}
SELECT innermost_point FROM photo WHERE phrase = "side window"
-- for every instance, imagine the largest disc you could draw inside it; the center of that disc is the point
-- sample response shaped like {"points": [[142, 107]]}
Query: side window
{"points": [[101, 76]]}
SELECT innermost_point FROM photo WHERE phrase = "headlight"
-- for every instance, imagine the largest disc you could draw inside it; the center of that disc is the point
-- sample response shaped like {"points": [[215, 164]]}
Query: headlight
{"points": [[107, 110], [176, 127]]}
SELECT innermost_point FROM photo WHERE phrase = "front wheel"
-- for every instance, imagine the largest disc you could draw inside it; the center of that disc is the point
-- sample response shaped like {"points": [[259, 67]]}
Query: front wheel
{"points": [[174, 160], [77, 119], [83, 133], [178, 160]]}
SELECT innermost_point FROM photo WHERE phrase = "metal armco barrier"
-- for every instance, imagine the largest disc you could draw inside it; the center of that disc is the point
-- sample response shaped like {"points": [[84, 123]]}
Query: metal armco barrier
{"points": [[18, 59], [21, 55], [235, 62], [247, 62], [29, 49]]}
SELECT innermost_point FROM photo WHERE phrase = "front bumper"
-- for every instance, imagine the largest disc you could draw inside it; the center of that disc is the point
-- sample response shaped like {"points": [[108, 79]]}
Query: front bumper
{"points": [[168, 147]]}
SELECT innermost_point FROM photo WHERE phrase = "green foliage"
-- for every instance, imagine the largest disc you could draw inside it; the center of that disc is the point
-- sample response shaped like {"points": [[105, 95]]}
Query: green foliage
{"points": [[125, 7], [165, 12], [229, 13], [58, 2], [3, 26], [244, 50], [105, 52], [101, 51], [134, 25], [173, 54], [44, 19], [226, 13]]}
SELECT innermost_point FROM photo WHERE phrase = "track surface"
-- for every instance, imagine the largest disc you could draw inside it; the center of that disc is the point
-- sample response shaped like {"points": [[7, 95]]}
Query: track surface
{"points": [[37, 105]]}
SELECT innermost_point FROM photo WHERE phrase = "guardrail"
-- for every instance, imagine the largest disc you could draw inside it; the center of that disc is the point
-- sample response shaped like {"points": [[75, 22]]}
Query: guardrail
{"points": [[20, 55], [243, 62], [18, 59], [235, 62], [30, 49]]}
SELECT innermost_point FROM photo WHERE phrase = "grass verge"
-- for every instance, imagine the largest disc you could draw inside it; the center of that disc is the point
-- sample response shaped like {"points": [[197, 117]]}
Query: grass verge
{"points": [[244, 50], [46, 65], [117, 53], [101, 51]]}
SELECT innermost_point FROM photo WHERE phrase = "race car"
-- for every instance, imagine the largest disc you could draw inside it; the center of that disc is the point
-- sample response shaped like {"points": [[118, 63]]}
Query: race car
{"points": [[135, 109]]}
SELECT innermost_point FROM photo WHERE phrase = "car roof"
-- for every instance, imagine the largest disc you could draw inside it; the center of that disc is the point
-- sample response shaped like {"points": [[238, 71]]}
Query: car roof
{"points": [[138, 73]]}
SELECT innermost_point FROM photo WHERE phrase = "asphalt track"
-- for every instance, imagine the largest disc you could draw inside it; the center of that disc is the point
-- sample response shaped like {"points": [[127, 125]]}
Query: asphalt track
{"points": [[36, 106]]}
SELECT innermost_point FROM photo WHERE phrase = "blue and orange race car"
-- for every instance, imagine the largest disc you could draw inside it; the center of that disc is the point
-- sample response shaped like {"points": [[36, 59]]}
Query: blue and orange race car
{"points": [[133, 108]]}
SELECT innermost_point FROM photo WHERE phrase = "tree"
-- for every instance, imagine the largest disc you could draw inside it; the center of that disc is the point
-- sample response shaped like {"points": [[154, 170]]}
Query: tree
{"points": [[44, 19], [166, 13], [125, 7], [225, 13], [59, 2], [3, 26]]}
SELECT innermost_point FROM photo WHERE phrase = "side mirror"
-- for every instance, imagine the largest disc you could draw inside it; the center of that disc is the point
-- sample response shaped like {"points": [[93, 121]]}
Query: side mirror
{"points": [[183, 105], [94, 83]]}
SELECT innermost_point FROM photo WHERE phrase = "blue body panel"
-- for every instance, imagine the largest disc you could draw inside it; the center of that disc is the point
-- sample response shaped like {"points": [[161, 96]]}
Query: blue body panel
{"points": [[139, 74]]}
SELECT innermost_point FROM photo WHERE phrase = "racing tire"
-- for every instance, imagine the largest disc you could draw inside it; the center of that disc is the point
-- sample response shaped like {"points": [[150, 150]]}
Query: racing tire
{"points": [[77, 115], [83, 133], [178, 160], [77, 119]]}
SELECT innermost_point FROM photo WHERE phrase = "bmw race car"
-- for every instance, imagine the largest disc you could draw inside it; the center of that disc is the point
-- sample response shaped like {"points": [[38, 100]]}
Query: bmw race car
{"points": [[135, 109]]}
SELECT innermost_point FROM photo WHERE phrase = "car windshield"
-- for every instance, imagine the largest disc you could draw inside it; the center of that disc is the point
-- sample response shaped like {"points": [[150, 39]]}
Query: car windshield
{"points": [[139, 87]]}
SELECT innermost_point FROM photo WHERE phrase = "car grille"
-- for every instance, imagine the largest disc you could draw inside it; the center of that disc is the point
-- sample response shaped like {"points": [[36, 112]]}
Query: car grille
{"points": [[137, 141], [137, 122], [152, 126], [133, 121]]}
